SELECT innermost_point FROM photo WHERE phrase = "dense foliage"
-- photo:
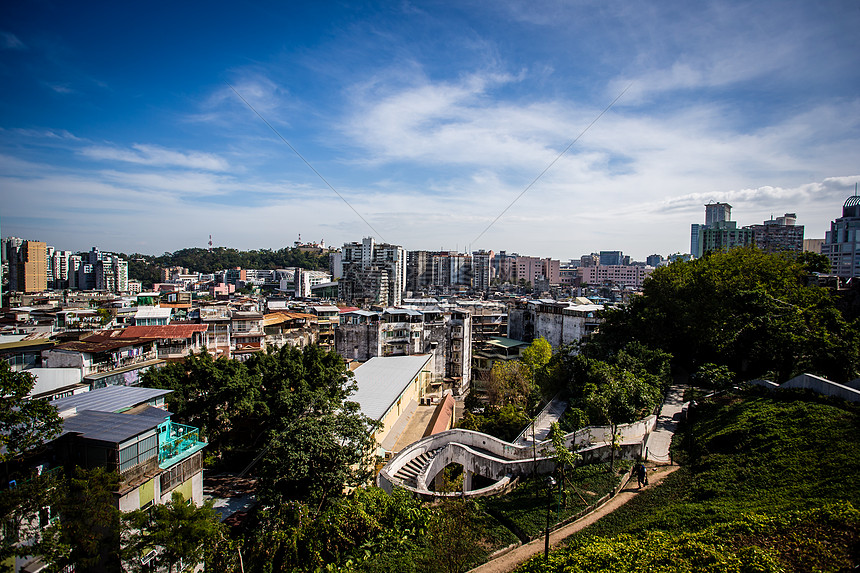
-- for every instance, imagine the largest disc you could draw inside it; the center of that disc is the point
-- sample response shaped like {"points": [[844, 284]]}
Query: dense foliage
{"points": [[626, 386], [185, 532], [290, 407], [750, 311], [765, 486], [24, 424], [146, 267]]}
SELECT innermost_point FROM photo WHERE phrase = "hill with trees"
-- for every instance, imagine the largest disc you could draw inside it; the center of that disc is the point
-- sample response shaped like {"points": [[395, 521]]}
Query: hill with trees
{"points": [[146, 267]]}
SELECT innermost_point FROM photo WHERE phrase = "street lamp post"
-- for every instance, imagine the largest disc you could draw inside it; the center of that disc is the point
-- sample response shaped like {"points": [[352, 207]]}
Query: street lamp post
{"points": [[550, 484]]}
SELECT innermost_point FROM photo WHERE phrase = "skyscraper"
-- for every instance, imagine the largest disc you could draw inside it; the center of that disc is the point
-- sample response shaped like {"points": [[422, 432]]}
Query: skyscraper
{"points": [[32, 268], [719, 232], [842, 241], [716, 212]]}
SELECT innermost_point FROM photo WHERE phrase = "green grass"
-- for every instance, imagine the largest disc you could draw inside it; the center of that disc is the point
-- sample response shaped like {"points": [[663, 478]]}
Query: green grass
{"points": [[524, 509], [767, 484]]}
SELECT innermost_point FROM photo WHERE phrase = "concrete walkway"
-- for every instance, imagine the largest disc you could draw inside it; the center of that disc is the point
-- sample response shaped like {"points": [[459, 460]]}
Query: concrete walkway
{"points": [[538, 432], [657, 445], [514, 558]]}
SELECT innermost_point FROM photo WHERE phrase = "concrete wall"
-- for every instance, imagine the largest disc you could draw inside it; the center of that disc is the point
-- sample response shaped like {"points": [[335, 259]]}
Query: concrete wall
{"points": [[493, 458], [822, 386], [413, 392], [66, 359]]}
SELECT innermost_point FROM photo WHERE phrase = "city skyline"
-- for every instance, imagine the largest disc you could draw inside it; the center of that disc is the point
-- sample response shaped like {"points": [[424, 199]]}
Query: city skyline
{"points": [[119, 128]]}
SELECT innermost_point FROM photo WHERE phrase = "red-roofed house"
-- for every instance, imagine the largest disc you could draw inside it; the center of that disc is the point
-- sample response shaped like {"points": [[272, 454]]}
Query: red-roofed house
{"points": [[174, 341]]}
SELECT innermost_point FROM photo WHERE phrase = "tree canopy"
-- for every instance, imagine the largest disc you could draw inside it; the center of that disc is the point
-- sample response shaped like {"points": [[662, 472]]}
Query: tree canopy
{"points": [[24, 423], [183, 532], [289, 407], [146, 267], [751, 311]]}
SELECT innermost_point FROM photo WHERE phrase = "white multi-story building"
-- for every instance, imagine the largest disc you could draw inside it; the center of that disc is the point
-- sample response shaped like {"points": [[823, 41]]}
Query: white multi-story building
{"points": [[306, 279], [372, 274], [482, 269], [842, 241]]}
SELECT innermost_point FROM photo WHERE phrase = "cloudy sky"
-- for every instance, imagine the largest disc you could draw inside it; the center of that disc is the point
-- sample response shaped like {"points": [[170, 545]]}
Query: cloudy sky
{"points": [[123, 125]]}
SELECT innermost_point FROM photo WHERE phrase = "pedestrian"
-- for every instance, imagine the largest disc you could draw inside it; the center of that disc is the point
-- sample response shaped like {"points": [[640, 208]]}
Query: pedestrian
{"points": [[641, 474]]}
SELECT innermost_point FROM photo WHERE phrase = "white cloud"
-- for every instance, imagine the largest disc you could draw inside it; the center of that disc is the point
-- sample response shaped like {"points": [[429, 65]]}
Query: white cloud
{"points": [[10, 42], [157, 156]]}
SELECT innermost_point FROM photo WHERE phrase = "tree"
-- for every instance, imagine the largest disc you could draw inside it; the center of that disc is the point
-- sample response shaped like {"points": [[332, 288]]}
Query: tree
{"points": [[752, 311], [510, 383], [453, 537], [25, 510], [537, 355], [24, 424], [717, 377], [317, 455], [179, 530], [87, 535]]}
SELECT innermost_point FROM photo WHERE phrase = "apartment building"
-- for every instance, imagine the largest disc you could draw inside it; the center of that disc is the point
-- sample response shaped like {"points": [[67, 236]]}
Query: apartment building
{"points": [[247, 333], [372, 273], [560, 323], [447, 335], [621, 275]]}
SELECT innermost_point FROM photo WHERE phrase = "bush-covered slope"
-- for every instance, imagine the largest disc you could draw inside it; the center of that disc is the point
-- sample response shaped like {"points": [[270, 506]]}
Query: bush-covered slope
{"points": [[768, 484]]}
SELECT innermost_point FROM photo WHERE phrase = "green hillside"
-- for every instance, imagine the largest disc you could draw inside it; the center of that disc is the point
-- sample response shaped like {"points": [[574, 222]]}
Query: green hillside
{"points": [[769, 483]]}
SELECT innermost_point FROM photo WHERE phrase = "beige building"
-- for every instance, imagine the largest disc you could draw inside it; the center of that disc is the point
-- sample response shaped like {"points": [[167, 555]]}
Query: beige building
{"points": [[33, 268], [390, 389]]}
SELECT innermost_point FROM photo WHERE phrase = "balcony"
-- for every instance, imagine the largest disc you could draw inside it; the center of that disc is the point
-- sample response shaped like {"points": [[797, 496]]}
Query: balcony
{"points": [[106, 366], [176, 442]]}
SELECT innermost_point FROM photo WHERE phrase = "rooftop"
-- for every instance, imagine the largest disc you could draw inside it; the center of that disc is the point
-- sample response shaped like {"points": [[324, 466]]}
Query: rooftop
{"points": [[108, 426], [169, 331], [153, 312], [109, 399], [381, 380]]}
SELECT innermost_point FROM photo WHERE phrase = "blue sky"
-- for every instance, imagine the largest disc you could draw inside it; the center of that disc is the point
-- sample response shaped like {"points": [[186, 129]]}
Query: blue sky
{"points": [[118, 127]]}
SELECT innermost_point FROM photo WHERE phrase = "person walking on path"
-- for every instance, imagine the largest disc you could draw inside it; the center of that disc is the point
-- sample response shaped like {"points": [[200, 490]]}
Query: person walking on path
{"points": [[641, 474]]}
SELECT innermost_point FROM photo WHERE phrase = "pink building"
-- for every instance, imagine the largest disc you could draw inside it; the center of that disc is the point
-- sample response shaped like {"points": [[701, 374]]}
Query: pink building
{"points": [[625, 275]]}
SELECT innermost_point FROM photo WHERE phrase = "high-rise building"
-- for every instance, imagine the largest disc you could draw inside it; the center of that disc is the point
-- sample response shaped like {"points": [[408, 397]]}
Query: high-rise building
{"points": [[32, 268], [719, 232], [60, 264], [372, 274], [654, 260], [780, 234], [842, 241], [482, 270], [611, 258], [419, 271], [717, 212], [722, 236]]}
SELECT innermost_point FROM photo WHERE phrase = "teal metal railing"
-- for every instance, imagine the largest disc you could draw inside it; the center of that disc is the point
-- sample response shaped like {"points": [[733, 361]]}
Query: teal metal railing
{"points": [[175, 439]]}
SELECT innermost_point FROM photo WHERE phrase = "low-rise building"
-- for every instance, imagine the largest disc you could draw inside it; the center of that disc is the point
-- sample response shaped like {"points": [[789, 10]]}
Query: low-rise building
{"points": [[126, 430], [297, 329], [328, 318], [247, 333], [105, 358], [447, 335], [174, 342], [389, 391], [560, 323]]}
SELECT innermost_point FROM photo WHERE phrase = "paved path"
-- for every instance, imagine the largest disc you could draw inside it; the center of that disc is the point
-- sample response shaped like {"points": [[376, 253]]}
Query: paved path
{"points": [[657, 446], [658, 454], [513, 559], [551, 414]]}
